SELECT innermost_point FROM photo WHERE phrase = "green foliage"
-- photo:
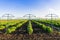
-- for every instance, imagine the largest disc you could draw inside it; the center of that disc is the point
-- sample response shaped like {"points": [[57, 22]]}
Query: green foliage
{"points": [[56, 23], [44, 27], [12, 29], [2, 27], [29, 28], [49, 29]]}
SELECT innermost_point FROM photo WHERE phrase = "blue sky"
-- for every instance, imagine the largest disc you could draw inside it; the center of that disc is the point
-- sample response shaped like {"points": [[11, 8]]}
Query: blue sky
{"points": [[19, 8]]}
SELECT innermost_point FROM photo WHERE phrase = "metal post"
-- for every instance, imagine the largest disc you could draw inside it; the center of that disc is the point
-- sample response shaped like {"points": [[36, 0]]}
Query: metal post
{"points": [[29, 16], [8, 18], [51, 15]]}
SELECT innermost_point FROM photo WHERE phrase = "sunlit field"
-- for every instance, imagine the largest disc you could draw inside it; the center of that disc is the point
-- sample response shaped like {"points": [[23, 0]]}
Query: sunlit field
{"points": [[33, 29]]}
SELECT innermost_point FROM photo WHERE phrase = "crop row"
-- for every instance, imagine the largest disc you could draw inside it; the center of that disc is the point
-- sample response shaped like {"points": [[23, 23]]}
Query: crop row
{"points": [[29, 28], [11, 26], [44, 27], [53, 22], [12, 29]]}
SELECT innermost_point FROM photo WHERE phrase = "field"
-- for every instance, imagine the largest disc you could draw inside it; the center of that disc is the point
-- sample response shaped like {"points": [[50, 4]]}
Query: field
{"points": [[23, 29]]}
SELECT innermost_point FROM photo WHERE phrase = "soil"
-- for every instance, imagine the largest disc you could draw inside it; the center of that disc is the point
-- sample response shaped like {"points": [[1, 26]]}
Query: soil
{"points": [[38, 34]]}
